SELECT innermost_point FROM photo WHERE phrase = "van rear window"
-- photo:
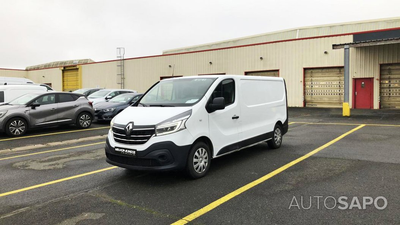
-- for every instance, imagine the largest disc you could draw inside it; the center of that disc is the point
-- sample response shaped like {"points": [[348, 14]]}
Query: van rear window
{"points": [[1, 96]]}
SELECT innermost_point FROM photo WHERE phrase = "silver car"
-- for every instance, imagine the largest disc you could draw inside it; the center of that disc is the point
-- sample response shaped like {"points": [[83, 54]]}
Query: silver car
{"points": [[45, 109]]}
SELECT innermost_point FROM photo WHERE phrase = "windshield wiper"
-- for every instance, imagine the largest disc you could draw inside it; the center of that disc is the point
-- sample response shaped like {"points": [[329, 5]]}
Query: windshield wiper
{"points": [[144, 105], [160, 105]]}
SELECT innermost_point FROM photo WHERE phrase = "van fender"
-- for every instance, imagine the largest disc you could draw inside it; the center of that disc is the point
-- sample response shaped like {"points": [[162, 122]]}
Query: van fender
{"points": [[207, 141]]}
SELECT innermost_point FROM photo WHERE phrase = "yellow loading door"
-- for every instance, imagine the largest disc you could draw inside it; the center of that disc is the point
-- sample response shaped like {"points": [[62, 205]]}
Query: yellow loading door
{"points": [[390, 86], [324, 87], [71, 80], [266, 73]]}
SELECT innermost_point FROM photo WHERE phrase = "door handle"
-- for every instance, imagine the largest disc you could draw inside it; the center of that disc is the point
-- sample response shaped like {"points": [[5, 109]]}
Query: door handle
{"points": [[53, 109], [235, 117]]}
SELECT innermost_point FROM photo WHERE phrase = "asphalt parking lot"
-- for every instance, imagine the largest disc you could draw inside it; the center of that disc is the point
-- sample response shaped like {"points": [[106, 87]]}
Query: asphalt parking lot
{"points": [[329, 170]]}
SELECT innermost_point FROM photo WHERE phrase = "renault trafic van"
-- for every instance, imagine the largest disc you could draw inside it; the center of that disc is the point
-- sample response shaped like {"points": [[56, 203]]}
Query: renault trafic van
{"points": [[183, 123], [11, 92]]}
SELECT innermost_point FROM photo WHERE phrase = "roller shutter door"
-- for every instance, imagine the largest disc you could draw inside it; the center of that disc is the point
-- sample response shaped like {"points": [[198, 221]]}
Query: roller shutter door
{"points": [[390, 86], [324, 87], [267, 73], [71, 81]]}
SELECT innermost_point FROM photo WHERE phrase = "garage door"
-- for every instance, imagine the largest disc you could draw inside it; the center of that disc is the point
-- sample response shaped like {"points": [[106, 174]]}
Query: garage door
{"points": [[390, 86], [71, 81], [324, 87], [266, 73]]}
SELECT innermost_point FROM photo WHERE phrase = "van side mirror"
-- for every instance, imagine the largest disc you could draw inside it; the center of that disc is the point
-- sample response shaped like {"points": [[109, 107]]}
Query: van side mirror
{"points": [[34, 105], [217, 104], [108, 97]]}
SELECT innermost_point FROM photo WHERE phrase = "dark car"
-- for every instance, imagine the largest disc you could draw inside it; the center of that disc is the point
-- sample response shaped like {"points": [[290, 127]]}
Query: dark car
{"points": [[45, 109], [87, 91], [107, 110]]}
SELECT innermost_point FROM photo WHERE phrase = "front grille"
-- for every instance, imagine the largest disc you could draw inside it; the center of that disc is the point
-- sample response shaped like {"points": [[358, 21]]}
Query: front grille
{"points": [[132, 161], [139, 134]]}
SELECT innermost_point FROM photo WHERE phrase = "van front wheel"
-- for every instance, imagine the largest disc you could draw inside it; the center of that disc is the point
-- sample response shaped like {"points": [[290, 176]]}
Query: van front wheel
{"points": [[276, 140], [199, 160]]}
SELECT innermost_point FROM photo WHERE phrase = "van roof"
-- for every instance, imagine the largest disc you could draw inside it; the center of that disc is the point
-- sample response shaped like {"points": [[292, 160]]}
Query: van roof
{"points": [[229, 76], [22, 86]]}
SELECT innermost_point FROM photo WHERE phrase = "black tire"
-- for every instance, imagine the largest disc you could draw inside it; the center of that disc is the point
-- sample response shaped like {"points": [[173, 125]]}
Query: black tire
{"points": [[16, 127], [277, 138], [199, 160], [84, 120]]}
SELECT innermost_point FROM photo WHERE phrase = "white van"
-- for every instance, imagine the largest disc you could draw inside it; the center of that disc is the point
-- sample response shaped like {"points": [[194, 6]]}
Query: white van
{"points": [[11, 92], [183, 123], [15, 80]]}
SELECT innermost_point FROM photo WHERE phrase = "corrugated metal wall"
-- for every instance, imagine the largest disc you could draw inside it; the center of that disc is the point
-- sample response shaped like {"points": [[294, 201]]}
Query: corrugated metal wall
{"points": [[323, 30], [366, 62], [289, 57]]}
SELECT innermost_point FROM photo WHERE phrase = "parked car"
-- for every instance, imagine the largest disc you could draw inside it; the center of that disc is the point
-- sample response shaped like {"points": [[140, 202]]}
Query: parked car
{"points": [[11, 92], [87, 91], [107, 94], [107, 110], [183, 123], [45, 109]]}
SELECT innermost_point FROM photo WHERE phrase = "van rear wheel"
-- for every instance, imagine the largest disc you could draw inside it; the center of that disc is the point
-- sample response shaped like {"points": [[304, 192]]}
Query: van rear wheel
{"points": [[199, 160], [276, 140]]}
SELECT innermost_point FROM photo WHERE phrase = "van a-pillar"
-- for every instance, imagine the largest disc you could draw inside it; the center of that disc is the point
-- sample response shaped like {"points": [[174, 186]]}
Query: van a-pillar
{"points": [[346, 106]]}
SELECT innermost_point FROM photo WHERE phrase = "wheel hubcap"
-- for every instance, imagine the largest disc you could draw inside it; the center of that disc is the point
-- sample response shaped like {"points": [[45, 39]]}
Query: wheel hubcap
{"points": [[17, 127], [278, 136], [200, 160], [84, 120]]}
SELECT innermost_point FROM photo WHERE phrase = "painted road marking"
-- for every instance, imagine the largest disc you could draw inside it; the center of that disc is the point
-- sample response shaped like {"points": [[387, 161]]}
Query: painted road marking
{"points": [[248, 186], [351, 124], [56, 181], [55, 150], [49, 134]]}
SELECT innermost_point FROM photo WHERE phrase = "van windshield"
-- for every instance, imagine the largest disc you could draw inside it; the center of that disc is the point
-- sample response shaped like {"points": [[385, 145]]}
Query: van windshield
{"points": [[177, 92], [24, 99]]}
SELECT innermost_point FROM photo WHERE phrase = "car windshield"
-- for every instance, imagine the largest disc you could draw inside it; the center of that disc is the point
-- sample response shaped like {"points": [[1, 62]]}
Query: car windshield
{"points": [[122, 98], [99, 94], [80, 91], [24, 99], [177, 92]]}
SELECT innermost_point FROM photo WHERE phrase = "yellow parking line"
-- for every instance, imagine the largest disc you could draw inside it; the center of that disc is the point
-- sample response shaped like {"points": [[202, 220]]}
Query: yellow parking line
{"points": [[56, 181], [239, 191], [64, 132], [55, 150], [351, 124]]}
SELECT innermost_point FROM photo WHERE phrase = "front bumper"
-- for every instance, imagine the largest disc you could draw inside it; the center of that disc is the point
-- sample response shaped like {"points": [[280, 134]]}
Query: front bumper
{"points": [[100, 115], [160, 156]]}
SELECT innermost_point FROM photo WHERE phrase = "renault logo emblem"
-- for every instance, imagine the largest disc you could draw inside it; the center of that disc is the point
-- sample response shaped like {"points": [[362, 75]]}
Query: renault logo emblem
{"points": [[128, 128]]}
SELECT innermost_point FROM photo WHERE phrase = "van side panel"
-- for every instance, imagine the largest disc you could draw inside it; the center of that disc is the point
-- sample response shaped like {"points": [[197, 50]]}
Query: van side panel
{"points": [[263, 104]]}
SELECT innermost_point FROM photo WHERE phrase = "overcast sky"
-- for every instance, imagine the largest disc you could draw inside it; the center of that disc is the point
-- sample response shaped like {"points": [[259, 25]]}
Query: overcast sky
{"points": [[41, 31]]}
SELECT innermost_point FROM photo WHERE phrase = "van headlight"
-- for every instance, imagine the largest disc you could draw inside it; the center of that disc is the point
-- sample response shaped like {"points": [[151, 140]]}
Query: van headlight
{"points": [[173, 124], [2, 113], [171, 127]]}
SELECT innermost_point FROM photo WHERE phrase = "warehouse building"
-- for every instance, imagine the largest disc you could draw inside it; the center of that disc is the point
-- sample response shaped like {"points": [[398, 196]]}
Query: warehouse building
{"points": [[311, 60]]}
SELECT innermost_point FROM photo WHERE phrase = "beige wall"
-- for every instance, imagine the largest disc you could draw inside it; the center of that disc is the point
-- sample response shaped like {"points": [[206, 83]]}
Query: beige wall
{"points": [[53, 76], [290, 58], [13, 73]]}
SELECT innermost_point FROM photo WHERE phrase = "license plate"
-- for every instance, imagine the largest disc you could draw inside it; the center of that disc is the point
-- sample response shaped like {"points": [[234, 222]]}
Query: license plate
{"points": [[131, 152]]}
